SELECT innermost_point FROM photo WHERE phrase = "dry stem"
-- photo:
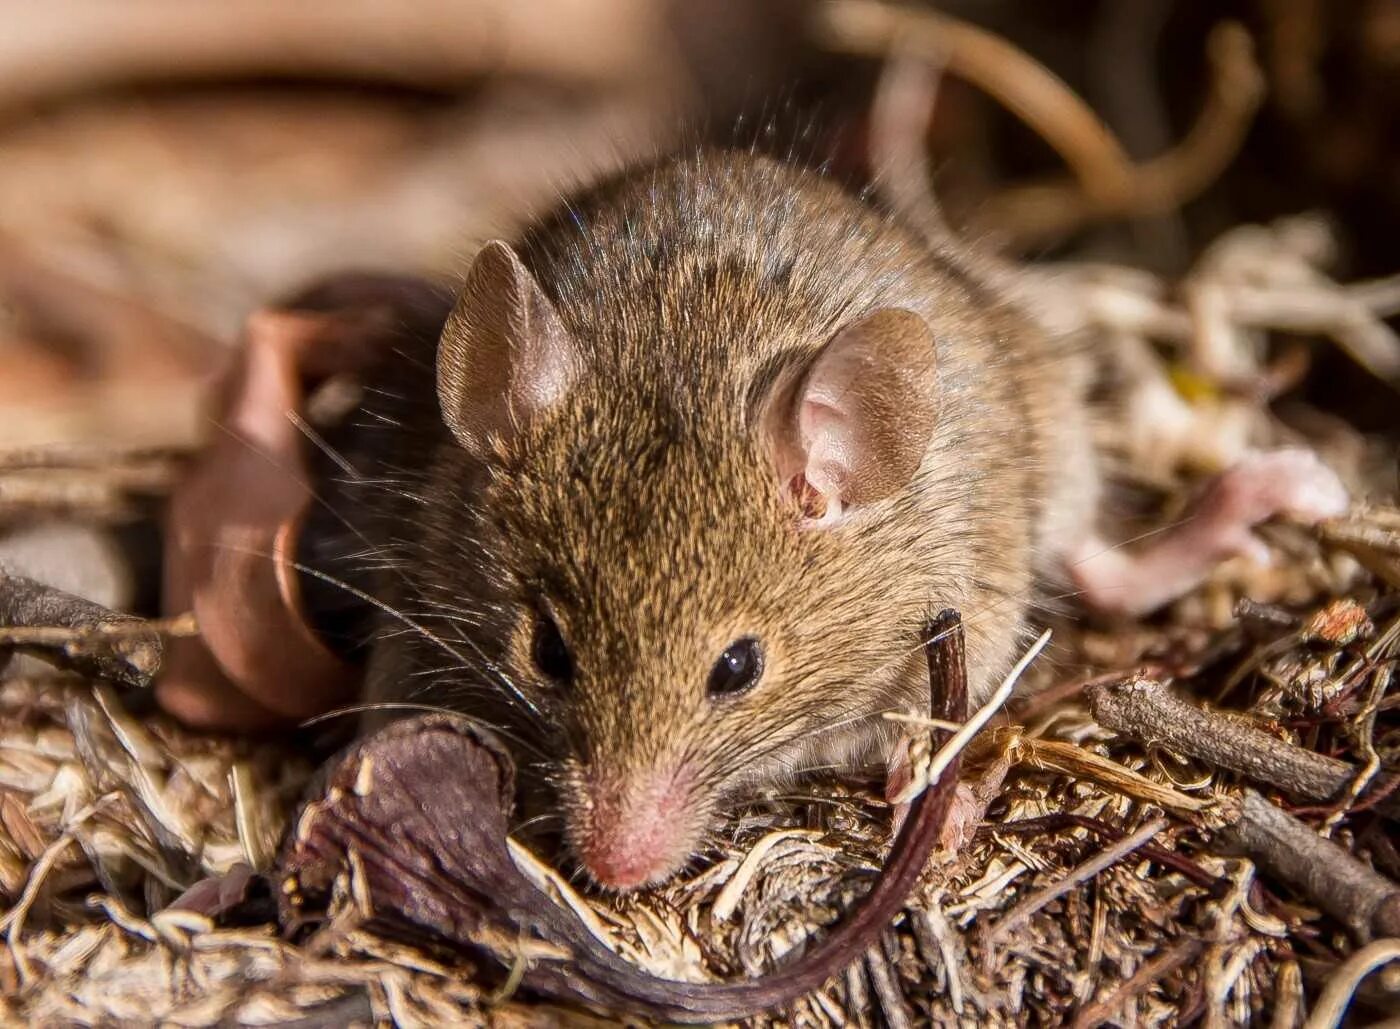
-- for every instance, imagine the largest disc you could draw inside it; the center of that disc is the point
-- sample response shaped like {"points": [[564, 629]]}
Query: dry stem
{"points": [[71, 45], [85, 635], [1365, 901], [1148, 711]]}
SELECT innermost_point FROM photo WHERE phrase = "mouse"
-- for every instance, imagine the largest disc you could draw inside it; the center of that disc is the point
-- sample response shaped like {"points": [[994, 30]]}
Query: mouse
{"points": [[667, 490]]}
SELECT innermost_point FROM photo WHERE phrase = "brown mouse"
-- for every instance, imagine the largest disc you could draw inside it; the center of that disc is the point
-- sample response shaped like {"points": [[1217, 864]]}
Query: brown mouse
{"points": [[714, 443], [688, 469]]}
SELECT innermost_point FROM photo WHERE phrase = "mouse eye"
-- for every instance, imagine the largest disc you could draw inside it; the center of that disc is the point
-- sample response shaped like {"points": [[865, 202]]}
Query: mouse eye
{"points": [[550, 652], [738, 668]]}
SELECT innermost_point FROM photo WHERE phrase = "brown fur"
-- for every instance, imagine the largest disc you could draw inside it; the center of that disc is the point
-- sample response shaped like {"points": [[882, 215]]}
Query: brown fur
{"points": [[644, 511]]}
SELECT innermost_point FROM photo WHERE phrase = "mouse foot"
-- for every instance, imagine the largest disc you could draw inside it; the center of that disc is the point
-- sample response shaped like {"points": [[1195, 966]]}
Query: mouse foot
{"points": [[899, 774], [1292, 482], [970, 799]]}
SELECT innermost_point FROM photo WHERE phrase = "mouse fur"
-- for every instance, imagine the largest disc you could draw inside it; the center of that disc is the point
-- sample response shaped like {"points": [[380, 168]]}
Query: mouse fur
{"points": [[636, 499]]}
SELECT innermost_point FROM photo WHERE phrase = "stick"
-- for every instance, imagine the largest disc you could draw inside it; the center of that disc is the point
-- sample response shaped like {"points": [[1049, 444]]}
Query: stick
{"points": [[1365, 901], [1108, 183], [1146, 710], [933, 771], [77, 633], [1148, 972], [1337, 994], [65, 46], [1018, 915]]}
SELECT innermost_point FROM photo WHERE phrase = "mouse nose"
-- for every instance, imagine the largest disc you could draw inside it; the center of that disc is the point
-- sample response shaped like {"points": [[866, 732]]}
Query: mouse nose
{"points": [[635, 834]]}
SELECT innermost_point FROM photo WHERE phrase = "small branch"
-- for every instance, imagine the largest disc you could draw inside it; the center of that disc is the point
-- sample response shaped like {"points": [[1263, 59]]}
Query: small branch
{"points": [[80, 634], [1365, 901], [1149, 972], [72, 45], [940, 944], [1067, 820], [1015, 79], [1071, 759], [1018, 915], [1372, 536], [1034, 214], [884, 982], [925, 772], [1148, 711], [1107, 183]]}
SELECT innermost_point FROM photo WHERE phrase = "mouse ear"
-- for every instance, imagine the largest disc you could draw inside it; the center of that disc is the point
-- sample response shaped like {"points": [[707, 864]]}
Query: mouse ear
{"points": [[861, 417], [504, 355]]}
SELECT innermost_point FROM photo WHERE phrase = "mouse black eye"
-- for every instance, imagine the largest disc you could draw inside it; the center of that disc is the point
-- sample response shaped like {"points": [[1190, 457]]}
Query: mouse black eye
{"points": [[551, 653], [738, 668]]}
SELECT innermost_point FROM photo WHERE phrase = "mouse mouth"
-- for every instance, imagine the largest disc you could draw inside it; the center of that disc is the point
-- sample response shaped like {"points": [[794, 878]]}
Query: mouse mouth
{"points": [[634, 832]]}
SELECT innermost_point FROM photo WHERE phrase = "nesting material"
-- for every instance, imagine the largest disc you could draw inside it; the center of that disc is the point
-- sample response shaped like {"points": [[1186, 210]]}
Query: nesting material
{"points": [[1106, 879]]}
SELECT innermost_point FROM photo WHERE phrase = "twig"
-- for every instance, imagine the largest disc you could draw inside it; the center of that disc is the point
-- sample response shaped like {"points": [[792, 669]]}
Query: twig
{"points": [[81, 634], [1372, 536], [1149, 972], [1062, 756], [1107, 184], [1336, 996], [1069, 820], [1018, 915], [938, 941], [1288, 996], [1365, 901], [1146, 710], [1023, 85], [882, 981], [932, 772], [85, 456], [14, 921], [1034, 214]]}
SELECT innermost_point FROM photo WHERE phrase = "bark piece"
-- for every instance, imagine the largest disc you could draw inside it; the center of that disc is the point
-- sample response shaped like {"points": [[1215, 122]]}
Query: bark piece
{"points": [[1147, 710]]}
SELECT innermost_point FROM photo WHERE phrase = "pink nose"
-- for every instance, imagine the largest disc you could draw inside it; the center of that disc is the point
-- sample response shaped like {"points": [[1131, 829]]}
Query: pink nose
{"points": [[635, 836]]}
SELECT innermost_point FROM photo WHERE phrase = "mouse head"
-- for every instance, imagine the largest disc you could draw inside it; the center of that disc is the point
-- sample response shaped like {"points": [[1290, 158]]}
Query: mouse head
{"points": [[689, 573]]}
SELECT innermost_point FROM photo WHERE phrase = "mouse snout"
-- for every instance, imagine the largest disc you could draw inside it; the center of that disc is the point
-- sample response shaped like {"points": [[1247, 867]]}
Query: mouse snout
{"points": [[635, 831]]}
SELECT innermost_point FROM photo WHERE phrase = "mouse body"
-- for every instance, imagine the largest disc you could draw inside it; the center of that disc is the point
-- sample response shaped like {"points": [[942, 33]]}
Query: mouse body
{"points": [[690, 466]]}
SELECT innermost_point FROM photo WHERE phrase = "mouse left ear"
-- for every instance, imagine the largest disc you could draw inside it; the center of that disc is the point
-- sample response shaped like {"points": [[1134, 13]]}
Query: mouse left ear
{"points": [[858, 424], [504, 355]]}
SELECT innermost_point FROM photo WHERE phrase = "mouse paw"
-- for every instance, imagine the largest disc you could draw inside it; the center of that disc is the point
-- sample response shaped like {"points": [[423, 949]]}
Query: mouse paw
{"points": [[1292, 482]]}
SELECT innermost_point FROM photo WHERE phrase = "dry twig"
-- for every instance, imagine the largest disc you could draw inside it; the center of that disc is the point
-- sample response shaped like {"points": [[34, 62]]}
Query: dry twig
{"points": [[1110, 856], [73, 45], [1366, 902], [1108, 184], [1147, 710], [81, 634]]}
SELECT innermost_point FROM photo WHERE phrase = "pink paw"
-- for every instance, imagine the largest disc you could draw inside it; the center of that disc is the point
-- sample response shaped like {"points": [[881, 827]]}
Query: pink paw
{"points": [[1292, 482]]}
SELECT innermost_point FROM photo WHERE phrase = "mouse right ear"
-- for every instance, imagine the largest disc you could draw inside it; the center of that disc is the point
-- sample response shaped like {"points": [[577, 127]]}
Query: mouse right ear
{"points": [[504, 355]]}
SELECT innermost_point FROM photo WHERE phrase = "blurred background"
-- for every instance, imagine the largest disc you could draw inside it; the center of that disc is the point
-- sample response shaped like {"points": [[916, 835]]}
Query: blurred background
{"points": [[165, 167]]}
